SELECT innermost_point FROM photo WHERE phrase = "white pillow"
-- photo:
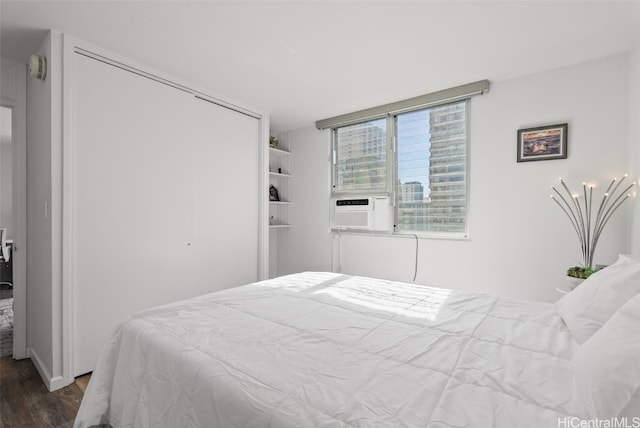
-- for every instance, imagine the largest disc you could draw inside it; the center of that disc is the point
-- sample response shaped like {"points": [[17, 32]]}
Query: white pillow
{"points": [[592, 303], [606, 368]]}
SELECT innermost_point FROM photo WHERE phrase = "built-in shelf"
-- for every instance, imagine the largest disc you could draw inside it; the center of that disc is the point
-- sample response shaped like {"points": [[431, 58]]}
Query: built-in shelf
{"points": [[280, 178], [280, 219], [278, 152], [279, 174], [279, 226]]}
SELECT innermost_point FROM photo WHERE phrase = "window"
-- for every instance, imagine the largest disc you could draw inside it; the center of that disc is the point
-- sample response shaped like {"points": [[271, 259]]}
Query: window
{"points": [[431, 168], [415, 151], [428, 167], [361, 157]]}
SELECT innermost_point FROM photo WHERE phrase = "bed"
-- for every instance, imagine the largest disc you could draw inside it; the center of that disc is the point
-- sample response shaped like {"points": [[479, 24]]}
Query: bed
{"points": [[330, 350]]}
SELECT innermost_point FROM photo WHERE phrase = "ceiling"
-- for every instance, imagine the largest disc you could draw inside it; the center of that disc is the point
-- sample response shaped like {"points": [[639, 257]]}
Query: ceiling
{"points": [[301, 61]]}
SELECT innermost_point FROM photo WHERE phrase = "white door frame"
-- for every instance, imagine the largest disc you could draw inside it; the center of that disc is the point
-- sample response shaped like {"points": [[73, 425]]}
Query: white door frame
{"points": [[14, 95]]}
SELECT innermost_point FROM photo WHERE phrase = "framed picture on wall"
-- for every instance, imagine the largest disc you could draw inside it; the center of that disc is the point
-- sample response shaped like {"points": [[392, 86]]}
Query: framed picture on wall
{"points": [[542, 143]]}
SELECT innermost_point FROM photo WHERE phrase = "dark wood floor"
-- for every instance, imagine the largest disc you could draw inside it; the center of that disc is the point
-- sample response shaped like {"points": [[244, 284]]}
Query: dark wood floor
{"points": [[25, 402]]}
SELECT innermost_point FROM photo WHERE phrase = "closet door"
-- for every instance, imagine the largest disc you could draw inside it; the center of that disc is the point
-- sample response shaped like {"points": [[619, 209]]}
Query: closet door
{"points": [[165, 199], [226, 196]]}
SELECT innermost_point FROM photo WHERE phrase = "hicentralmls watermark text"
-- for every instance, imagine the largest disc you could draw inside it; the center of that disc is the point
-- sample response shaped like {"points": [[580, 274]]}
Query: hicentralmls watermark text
{"points": [[574, 422]]}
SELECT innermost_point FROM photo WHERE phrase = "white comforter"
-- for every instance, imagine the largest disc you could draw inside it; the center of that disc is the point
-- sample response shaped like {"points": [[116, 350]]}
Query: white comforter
{"points": [[330, 350]]}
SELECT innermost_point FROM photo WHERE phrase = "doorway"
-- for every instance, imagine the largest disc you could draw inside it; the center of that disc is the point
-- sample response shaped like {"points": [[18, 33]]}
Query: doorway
{"points": [[13, 208], [6, 232]]}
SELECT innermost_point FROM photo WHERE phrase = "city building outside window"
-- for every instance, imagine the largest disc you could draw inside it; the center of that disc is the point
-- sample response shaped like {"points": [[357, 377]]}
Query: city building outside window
{"points": [[361, 157]]}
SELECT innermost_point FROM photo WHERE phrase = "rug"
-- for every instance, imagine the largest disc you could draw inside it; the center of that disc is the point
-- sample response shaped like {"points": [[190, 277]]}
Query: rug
{"points": [[6, 327]]}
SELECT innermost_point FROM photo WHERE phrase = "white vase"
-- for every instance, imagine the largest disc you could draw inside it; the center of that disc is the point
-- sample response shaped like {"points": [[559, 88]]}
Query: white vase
{"points": [[573, 281]]}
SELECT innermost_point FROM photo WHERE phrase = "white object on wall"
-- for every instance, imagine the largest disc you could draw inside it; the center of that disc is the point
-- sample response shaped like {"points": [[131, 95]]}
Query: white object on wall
{"points": [[372, 213], [38, 67]]}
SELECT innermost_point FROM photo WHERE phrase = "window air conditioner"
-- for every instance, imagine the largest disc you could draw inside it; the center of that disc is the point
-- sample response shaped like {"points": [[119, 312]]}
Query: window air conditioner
{"points": [[370, 213]]}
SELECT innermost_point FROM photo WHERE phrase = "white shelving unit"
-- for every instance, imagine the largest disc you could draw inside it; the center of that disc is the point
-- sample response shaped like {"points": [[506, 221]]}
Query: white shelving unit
{"points": [[280, 210], [280, 178]]}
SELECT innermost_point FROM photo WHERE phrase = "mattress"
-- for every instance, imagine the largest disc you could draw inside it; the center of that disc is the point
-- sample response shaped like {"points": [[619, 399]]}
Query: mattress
{"points": [[330, 350]]}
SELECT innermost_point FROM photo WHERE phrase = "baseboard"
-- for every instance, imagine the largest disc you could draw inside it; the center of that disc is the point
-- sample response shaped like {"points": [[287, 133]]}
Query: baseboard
{"points": [[51, 382]]}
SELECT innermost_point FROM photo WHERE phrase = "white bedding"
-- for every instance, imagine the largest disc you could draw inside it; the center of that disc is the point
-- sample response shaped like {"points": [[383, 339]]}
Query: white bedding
{"points": [[331, 350]]}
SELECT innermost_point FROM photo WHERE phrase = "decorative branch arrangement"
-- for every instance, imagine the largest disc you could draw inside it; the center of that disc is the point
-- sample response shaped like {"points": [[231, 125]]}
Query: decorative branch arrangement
{"points": [[581, 214]]}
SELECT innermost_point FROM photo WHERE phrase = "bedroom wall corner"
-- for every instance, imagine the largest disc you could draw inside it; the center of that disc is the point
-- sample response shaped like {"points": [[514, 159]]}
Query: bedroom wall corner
{"points": [[634, 145], [44, 142], [306, 246]]}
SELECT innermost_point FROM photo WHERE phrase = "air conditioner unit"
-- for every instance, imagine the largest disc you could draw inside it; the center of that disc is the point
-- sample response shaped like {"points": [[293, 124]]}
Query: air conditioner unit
{"points": [[369, 213]]}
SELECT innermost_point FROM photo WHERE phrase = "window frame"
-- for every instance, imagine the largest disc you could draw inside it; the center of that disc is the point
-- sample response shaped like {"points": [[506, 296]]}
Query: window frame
{"points": [[460, 235], [391, 111], [392, 185], [387, 190]]}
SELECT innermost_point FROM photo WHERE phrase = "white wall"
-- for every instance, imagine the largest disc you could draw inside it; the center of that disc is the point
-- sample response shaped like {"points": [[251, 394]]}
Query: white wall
{"points": [[634, 143], [44, 140], [521, 244], [306, 246]]}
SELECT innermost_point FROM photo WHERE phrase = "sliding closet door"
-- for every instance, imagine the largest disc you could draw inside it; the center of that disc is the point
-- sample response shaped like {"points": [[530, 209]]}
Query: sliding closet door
{"points": [[165, 200], [226, 195]]}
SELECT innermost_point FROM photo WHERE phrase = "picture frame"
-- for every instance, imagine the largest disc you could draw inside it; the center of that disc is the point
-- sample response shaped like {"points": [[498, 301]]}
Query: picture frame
{"points": [[542, 143]]}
